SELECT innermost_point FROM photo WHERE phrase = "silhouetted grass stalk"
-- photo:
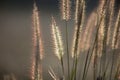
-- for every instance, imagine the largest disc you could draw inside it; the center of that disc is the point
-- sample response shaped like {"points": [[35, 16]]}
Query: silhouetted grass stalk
{"points": [[79, 18]]}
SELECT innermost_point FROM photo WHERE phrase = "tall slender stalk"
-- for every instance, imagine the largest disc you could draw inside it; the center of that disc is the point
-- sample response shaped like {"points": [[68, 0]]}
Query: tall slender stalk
{"points": [[65, 10], [79, 18], [117, 71], [110, 23], [94, 42], [58, 43], [95, 61], [68, 62], [88, 61], [37, 75], [102, 37], [85, 66]]}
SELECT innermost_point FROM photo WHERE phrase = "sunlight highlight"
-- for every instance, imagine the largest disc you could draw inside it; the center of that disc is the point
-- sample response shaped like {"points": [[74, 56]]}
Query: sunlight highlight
{"points": [[57, 39]]}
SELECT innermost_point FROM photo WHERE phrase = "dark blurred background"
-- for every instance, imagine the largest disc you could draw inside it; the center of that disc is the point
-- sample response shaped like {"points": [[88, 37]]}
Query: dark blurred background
{"points": [[16, 34]]}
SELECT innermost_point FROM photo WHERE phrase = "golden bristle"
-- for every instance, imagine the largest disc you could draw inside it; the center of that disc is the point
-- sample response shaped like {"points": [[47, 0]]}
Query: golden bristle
{"points": [[101, 36], [32, 70], [116, 31], [79, 20], [101, 5], [80, 5], [37, 30], [110, 24], [65, 9], [57, 39], [102, 29]]}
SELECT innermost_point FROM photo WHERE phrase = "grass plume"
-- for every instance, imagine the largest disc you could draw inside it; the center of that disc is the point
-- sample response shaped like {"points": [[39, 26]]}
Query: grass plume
{"points": [[57, 39], [37, 45], [65, 6], [59, 51]]}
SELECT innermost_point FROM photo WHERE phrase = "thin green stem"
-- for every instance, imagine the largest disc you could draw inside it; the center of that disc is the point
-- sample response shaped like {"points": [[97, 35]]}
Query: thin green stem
{"points": [[73, 68], [104, 73], [76, 62], [111, 70], [62, 65], [98, 26], [95, 61], [100, 64], [85, 66], [67, 50]]}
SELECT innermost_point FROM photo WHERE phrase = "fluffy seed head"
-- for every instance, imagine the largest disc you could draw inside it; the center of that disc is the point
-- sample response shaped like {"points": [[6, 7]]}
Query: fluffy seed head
{"points": [[57, 39], [65, 9], [37, 46]]}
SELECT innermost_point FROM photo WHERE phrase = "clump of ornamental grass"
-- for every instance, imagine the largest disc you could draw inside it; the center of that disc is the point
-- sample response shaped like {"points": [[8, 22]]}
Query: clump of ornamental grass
{"points": [[95, 41]]}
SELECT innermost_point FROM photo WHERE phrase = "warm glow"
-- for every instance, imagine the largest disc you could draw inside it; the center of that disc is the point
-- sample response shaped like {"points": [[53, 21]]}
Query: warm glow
{"points": [[57, 39]]}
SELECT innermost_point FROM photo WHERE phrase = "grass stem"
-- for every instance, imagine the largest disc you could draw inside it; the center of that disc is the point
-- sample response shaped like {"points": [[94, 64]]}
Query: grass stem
{"points": [[66, 22]]}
